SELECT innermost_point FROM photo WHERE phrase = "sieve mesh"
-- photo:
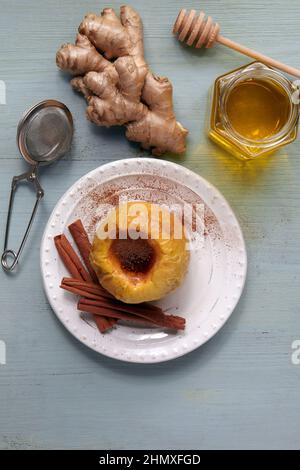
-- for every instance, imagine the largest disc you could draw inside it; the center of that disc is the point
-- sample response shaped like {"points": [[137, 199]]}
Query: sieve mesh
{"points": [[48, 134]]}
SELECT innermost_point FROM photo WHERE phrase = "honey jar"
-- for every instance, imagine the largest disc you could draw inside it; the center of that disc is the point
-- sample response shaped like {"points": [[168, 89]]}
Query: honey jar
{"points": [[253, 111]]}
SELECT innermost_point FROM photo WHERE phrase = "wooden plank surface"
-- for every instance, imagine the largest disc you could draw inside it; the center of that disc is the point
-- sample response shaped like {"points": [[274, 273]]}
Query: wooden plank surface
{"points": [[240, 390]]}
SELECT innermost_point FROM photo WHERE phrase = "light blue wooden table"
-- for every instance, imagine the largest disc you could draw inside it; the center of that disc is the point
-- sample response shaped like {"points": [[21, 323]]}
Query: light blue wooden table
{"points": [[240, 390]]}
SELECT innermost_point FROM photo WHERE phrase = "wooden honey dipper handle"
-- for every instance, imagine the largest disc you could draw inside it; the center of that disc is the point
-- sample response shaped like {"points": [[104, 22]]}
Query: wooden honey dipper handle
{"points": [[199, 31]]}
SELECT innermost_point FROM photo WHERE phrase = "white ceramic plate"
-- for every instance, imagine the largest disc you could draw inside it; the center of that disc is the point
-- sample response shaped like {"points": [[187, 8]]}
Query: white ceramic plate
{"points": [[216, 275]]}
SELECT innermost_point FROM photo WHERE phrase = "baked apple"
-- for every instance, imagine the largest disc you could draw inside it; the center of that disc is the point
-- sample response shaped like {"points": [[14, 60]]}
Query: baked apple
{"points": [[140, 252]]}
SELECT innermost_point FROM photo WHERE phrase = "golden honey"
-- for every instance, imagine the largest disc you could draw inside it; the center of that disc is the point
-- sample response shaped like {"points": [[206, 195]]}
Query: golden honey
{"points": [[253, 112]]}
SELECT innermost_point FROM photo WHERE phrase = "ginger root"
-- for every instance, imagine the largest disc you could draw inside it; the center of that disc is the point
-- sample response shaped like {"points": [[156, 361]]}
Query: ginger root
{"points": [[118, 85]]}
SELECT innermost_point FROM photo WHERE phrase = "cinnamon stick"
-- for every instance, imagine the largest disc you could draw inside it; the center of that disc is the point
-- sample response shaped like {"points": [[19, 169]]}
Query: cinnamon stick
{"points": [[66, 259], [77, 270], [111, 301], [145, 310], [113, 309], [71, 258], [92, 296], [114, 315], [88, 286], [84, 246], [80, 292], [97, 289]]}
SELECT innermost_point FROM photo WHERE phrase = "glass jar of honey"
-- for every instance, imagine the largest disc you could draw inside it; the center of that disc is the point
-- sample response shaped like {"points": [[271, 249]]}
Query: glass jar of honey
{"points": [[253, 111]]}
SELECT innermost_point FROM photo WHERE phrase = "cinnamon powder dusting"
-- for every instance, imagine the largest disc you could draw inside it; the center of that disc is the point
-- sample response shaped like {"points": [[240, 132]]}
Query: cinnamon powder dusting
{"points": [[94, 206]]}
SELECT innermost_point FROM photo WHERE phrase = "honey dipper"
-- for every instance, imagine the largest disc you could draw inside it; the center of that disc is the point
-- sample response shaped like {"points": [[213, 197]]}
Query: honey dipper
{"points": [[199, 31]]}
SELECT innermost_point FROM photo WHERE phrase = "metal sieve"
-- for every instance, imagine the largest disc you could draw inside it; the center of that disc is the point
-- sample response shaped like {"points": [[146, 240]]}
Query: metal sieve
{"points": [[44, 135]]}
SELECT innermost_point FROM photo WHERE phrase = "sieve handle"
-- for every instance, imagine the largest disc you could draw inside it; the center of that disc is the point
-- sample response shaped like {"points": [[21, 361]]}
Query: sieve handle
{"points": [[32, 178]]}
